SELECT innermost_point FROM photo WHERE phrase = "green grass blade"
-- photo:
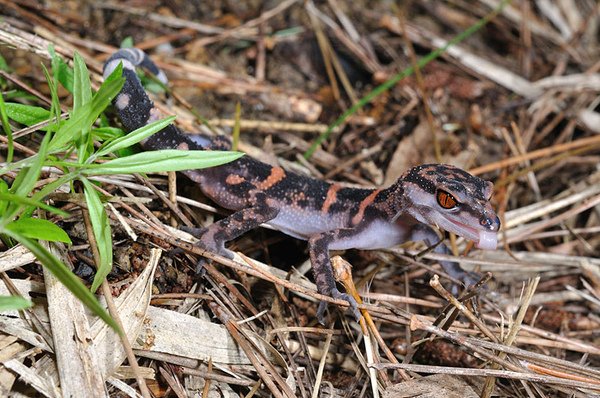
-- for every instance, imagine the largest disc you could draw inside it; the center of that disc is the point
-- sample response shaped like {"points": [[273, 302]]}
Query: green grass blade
{"points": [[25, 201], [107, 133], [66, 277], [8, 167], [82, 94], [86, 115], [62, 72], [27, 178], [102, 232], [396, 78], [3, 200], [13, 303], [134, 137], [7, 130], [55, 104], [82, 89], [164, 160]]}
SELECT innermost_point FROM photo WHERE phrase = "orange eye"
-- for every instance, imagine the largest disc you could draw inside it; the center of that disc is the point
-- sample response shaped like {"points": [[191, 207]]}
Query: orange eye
{"points": [[446, 200]]}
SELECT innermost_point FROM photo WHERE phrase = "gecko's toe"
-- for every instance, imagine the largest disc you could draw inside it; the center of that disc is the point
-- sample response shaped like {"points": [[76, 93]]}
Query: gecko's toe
{"points": [[336, 294], [202, 261], [321, 312], [201, 267], [207, 242], [175, 251], [467, 278], [470, 278], [346, 297]]}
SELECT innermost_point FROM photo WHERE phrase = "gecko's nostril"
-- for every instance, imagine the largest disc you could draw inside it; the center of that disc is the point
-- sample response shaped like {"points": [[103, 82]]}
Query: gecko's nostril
{"points": [[491, 223]]}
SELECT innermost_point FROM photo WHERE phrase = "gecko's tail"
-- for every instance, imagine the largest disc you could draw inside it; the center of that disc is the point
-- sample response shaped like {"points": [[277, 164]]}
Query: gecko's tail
{"points": [[136, 109], [132, 58], [134, 106]]}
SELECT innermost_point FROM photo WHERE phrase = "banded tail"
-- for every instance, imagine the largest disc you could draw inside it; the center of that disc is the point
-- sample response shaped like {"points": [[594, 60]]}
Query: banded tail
{"points": [[136, 109]]}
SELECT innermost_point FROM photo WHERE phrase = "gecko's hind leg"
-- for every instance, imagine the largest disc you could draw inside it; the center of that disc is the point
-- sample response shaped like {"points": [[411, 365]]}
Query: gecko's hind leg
{"points": [[214, 237]]}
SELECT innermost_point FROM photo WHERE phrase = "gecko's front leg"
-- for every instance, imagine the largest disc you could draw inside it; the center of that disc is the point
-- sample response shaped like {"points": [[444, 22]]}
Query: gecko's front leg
{"points": [[318, 246], [427, 235]]}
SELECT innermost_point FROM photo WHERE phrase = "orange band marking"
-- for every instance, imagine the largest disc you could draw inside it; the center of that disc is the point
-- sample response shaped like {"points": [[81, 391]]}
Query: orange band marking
{"points": [[234, 179], [277, 174], [363, 205], [330, 198]]}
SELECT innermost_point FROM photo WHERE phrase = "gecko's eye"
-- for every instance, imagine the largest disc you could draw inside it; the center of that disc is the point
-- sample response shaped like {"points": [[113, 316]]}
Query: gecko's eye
{"points": [[445, 199]]}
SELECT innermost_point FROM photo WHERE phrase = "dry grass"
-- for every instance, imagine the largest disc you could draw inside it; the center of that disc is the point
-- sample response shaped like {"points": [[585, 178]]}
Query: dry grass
{"points": [[516, 103]]}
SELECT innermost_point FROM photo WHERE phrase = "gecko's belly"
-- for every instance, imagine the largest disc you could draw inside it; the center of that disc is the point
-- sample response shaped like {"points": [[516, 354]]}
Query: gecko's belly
{"points": [[379, 234], [303, 224]]}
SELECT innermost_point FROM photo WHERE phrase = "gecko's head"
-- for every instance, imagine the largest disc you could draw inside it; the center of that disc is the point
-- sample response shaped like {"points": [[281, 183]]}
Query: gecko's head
{"points": [[454, 200]]}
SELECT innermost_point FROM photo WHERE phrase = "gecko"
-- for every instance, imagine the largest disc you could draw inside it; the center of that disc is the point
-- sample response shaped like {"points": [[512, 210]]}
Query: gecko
{"points": [[327, 215]]}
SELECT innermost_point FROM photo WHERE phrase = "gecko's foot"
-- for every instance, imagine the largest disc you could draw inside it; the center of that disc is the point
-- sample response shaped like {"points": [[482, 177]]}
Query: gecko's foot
{"points": [[336, 294], [206, 242], [202, 261], [195, 232], [467, 278], [473, 282], [470, 278]]}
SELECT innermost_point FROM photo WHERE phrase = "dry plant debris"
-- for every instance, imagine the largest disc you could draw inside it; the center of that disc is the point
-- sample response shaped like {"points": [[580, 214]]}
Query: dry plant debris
{"points": [[516, 102]]}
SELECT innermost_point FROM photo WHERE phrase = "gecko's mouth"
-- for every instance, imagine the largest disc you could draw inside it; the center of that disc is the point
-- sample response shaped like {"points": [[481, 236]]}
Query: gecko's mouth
{"points": [[487, 240]]}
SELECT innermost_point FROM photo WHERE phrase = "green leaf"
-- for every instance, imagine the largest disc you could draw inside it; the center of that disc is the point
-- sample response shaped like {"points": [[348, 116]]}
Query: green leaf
{"points": [[164, 160], [26, 114], [82, 94], [13, 303], [152, 86], [55, 109], [37, 228], [3, 200], [62, 72], [5, 68], [66, 277], [3, 64], [107, 133], [7, 130], [134, 137], [102, 232], [23, 200], [86, 115], [27, 178], [20, 94], [82, 89], [116, 75]]}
